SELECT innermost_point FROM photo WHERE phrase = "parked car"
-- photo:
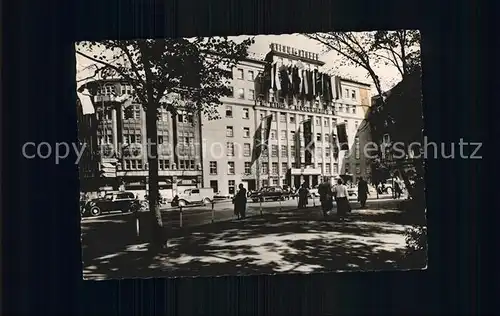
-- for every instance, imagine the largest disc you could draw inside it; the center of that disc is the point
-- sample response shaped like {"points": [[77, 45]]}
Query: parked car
{"points": [[112, 201], [196, 196], [269, 193]]}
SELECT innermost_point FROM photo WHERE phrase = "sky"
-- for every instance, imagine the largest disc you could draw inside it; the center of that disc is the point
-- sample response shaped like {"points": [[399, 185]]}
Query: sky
{"points": [[389, 75]]}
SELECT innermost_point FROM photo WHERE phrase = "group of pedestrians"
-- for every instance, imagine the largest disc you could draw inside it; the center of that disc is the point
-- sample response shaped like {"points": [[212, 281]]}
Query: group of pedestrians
{"points": [[340, 193], [327, 194]]}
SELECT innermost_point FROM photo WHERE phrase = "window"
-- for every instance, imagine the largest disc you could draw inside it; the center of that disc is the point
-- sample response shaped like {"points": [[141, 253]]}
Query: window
{"points": [[246, 150], [133, 113], [284, 168], [353, 109], [163, 164], [229, 111], [273, 134], [318, 121], [341, 108], [347, 168], [275, 181], [335, 168], [328, 168], [318, 137], [327, 151], [230, 149], [251, 94], [246, 113], [241, 93], [231, 93], [274, 117], [248, 167], [265, 151], [213, 167], [325, 123], [265, 168], [292, 119], [327, 138], [274, 151], [292, 135], [133, 164], [356, 148], [246, 132], [186, 164], [231, 185], [358, 168], [282, 117], [283, 135], [347, 108], [229, 131], [302, 117], [275, 168], [387, 138], [353, 94], [230, 167], [164, 115], [240, 74], [284, 151], [265, 183], [251, 75], [292, 150], [346, 93]]}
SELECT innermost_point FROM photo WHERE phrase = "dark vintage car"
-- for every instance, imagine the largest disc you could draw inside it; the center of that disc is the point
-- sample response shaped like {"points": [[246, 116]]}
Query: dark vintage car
{"points": [[112, 201], [269, 193]]}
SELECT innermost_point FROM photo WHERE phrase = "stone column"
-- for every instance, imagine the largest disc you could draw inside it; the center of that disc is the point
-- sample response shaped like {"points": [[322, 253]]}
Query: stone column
{"points": [[114, 128], [144, 136]]}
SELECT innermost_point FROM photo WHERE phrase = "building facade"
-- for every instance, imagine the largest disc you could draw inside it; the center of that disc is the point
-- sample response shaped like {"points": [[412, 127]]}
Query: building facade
{"points": [[229, 141], [219, 153], [120, 135]]}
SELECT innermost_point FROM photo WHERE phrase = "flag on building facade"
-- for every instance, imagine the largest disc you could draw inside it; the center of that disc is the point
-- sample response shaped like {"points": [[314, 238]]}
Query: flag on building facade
{"points": [[308, 141], [86, 102], [342, 136], [261, 137]]}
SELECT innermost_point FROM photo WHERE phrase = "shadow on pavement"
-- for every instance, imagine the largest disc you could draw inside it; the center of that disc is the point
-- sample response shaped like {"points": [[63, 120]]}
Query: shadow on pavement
{"points": [[282, 242]]}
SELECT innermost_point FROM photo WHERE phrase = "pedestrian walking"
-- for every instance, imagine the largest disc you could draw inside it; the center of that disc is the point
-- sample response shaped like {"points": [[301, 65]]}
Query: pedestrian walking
{"points": [[240, 202], [325, 196], [397, 190], [303, 196], [341, 194], [362, 191]]}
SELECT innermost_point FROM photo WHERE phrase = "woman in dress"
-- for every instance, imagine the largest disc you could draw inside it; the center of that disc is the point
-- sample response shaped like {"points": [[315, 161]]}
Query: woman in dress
{"points": [[343, 206]]}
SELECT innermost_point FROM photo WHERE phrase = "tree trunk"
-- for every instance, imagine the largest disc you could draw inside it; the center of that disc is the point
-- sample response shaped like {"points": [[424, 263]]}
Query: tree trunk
{"points": [[155, 218]]}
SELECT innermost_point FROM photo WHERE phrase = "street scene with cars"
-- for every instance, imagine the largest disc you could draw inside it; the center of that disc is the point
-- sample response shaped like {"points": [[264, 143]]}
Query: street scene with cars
{"points": [[271, 159]]}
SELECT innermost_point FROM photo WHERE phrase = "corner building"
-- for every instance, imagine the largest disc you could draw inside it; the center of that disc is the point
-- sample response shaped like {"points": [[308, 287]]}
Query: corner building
{"points": [[120, 139], [271, 87]]}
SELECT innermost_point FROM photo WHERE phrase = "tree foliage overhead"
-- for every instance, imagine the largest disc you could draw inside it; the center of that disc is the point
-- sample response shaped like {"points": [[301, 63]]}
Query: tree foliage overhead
{"points": [[197, 70], [188, 74]]}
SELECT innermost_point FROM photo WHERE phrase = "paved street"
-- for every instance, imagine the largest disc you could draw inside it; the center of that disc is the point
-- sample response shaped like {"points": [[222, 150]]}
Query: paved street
{"points": [[277, 241]]}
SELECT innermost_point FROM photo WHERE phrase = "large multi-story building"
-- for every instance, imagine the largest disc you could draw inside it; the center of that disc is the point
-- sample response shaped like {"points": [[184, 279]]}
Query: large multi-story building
{"points": [[230, 140], [121, 137], [306, 107]]}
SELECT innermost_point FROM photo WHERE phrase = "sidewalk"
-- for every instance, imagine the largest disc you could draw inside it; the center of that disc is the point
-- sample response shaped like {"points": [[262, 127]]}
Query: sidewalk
{"points": [[284, 242]]}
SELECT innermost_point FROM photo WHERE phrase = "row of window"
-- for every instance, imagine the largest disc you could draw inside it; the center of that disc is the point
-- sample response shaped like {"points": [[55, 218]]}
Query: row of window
{"points": [[240, 74], [274, 168], [240, 93], [137, 164]]}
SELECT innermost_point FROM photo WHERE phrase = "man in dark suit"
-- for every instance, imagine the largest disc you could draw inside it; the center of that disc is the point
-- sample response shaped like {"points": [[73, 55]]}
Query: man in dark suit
{"points": [[362, 192]]}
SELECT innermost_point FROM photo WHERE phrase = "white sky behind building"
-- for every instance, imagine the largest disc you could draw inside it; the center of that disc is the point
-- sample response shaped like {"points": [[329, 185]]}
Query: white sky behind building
{"points": [[388, 74]]}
